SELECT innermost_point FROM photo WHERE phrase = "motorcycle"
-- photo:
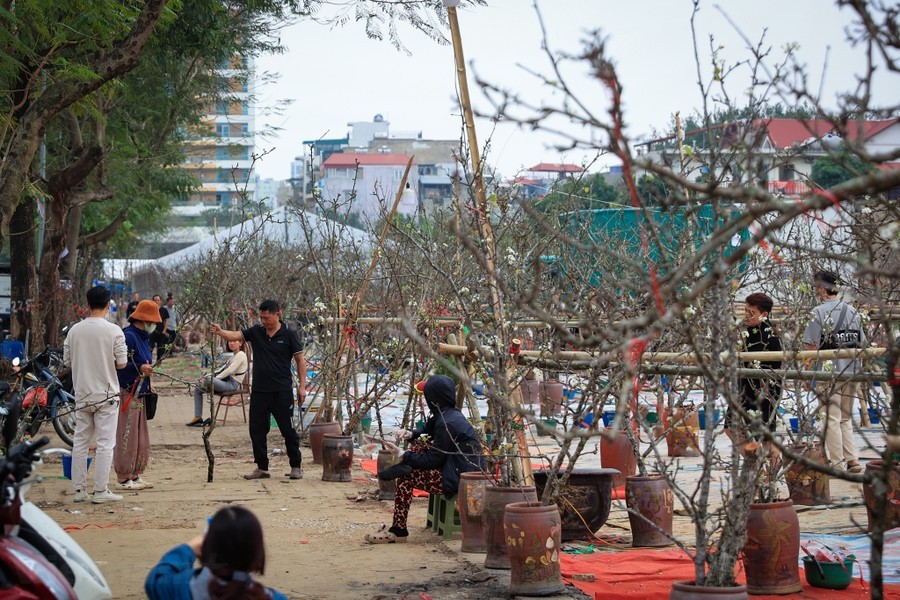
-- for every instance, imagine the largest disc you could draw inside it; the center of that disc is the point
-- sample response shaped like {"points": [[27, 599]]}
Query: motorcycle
{"points": [[48, 398], [37, 558]]}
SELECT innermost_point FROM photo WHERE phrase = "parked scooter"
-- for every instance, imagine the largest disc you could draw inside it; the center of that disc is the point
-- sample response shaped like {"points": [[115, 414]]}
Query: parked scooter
{"points": [[38, 559], [47, 398]]}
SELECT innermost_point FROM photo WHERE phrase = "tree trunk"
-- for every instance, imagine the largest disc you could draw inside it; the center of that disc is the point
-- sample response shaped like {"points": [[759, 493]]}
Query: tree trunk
{"points": [[57, 96], [23, 278]]}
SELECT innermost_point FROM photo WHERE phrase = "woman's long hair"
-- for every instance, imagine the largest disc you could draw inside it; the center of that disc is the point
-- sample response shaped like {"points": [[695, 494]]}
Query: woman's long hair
{"points": [[232, 549]]}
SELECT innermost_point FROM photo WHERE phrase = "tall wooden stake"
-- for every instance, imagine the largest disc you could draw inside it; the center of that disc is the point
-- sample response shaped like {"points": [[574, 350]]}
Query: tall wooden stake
{"points": [[522, 463]]}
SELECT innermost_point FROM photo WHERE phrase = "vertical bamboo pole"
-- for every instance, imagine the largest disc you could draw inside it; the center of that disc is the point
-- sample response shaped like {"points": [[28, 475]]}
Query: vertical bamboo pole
{"points": [[522, 463]]}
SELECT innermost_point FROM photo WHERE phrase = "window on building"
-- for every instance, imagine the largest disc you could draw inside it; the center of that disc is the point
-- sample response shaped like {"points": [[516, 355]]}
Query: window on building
{"points": [[223, 129], [222, 108], [787, 172]]}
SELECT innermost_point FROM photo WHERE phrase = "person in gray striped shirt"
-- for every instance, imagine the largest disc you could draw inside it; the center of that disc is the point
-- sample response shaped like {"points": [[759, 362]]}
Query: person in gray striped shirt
{"points": [[836, 325]]}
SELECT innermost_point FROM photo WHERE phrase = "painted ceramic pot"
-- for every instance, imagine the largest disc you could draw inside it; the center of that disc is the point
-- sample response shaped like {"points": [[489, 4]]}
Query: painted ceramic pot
{"points": [[533, 546], [653, 504], [495, 500], [772, 550], [337, 457], [584, 501], [471, 508]]}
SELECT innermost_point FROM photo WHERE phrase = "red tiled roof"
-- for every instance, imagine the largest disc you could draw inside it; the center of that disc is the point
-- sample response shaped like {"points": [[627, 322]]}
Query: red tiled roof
{"points": [[349, 160], [786, 132], [556, 168], [524, 181], [889, 166]]}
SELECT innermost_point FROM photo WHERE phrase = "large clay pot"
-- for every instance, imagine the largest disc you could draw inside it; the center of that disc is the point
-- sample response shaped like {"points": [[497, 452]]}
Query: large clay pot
{"points": [[386, 489], [772, 550], [531, 392], [316, 432], [618, 454], [337, 457], [533, 544], [652, 499], [682, 439], [892, 518], [495, 500], [470, 498], [687, 590], [551, 397], [808, 486], [585, 498]]}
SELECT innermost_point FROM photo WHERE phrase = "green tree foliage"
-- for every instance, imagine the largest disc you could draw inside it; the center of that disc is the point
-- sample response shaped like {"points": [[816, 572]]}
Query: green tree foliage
{"points": [[588, 192], [842, 166]]}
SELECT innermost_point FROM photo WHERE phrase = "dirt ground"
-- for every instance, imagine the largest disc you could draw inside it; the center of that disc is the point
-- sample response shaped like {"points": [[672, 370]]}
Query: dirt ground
{"points": [[313, 529]]}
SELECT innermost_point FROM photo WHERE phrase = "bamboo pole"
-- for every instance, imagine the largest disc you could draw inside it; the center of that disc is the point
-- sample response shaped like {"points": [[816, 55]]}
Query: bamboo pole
{"points": [[681, 357], [522, 464]]}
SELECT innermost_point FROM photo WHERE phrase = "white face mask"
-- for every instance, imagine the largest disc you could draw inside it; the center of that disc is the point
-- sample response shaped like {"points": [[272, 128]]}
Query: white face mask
{"points": [[150, 327]]}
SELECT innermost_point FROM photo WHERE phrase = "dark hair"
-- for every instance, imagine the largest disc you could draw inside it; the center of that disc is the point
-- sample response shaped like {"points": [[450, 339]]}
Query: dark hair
{"points": [[269, 306], [234, 543], [98, 297], [827, 280], [761, 301], [155, 296]]}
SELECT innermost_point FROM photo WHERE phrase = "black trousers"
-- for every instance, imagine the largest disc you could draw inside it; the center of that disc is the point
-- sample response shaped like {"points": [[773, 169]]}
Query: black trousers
{"points": [[281, 406]]}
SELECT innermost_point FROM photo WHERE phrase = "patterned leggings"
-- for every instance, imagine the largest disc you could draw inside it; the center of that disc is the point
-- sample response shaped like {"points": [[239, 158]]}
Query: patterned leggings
{"points": [[426, 480]]}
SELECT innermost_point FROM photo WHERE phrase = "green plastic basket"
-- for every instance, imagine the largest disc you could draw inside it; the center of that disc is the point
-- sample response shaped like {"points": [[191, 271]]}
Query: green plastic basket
{"points": [[834, 575]]}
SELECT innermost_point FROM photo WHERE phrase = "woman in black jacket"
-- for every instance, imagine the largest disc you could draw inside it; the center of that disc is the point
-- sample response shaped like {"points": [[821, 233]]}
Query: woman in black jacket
{"points": [[434, 467]]}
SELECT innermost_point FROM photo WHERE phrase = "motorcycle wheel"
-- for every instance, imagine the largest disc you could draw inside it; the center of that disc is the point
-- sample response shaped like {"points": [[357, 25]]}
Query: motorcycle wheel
{"points": [[63, 416]]}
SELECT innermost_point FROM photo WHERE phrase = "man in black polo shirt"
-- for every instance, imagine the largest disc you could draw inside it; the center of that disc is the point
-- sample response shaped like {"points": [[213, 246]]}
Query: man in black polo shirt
{"points": [[274, 346]]}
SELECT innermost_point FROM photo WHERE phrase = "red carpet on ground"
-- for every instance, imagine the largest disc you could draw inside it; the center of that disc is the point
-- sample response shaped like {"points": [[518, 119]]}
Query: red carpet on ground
{"points": [[645, 573]]}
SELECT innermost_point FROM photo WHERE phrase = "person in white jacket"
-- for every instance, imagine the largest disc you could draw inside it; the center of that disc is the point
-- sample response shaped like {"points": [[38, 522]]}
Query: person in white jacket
{"points": [[227, 379]]}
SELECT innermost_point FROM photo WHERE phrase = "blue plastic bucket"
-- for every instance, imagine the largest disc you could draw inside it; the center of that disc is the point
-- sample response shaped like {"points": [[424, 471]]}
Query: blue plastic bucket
{"points": [[67, 465], [701, 415]]}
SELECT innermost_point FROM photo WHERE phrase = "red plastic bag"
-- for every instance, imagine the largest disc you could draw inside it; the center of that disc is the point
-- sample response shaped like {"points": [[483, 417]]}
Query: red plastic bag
{"points": [[38, 394]]}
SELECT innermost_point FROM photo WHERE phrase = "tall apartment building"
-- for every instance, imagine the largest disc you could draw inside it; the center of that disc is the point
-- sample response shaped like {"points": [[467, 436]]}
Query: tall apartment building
{"points": [[220, 150]]}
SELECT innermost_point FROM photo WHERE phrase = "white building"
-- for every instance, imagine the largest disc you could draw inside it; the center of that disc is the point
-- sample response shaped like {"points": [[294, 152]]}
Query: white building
{"points": [[367, 181], [220, 150]]}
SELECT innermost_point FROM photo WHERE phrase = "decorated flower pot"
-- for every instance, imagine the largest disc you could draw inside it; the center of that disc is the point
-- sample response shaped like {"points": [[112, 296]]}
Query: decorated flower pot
{"points": [[772, 549], [808, 486], [495, 500], [618, 454], [316, 432], [682, 439], [892, 506], [386, 489], [471, 508], [533, 545], [584, 501], [652, 500], [551, 397], [688, 590], [337, 457]]}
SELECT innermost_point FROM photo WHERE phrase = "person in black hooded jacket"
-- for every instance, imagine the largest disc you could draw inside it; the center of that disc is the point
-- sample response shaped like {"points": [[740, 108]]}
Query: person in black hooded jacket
{"points": [[435, 467]]}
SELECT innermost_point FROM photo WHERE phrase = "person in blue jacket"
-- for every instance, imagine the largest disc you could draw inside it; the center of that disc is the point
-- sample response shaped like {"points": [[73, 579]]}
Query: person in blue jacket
{"points": [[434, 467], [230, 551]]}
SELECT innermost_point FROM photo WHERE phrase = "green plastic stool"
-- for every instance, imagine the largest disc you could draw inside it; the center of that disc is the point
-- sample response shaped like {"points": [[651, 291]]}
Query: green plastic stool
{"points": [[443, 518]]}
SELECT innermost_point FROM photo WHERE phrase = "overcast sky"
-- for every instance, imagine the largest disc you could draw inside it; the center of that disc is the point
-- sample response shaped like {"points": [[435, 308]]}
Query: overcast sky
{"points": [[338, 75]]}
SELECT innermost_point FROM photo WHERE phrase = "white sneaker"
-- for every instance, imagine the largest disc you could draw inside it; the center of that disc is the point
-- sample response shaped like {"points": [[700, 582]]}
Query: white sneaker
{"points": [[131, 485], [105, 496], [81, 496], [146, 484]]}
